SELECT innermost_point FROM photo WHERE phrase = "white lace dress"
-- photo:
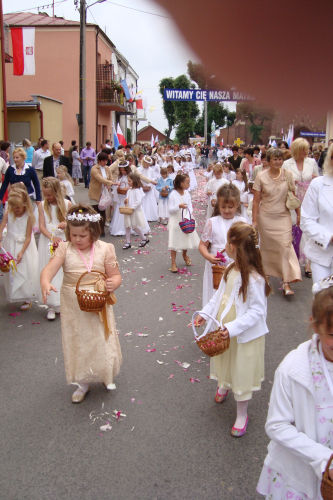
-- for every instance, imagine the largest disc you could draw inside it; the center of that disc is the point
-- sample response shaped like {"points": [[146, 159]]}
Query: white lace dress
{"points": [[177, 239]]}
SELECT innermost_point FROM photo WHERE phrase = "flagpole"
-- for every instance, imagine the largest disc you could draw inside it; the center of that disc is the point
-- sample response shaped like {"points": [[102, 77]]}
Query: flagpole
{"points": [[82, 91], [3, 71]]}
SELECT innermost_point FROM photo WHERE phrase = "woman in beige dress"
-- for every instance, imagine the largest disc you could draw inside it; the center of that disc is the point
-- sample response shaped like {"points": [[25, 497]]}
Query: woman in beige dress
{"points": [[273, 220]]}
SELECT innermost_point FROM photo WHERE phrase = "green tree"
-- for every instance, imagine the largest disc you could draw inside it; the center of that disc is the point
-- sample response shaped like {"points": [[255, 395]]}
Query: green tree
{"points": [[179, 114], [256, 116]]}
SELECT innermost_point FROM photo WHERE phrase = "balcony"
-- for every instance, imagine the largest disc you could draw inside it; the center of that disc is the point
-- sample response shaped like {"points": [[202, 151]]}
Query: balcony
{"points": [[109, 92]]}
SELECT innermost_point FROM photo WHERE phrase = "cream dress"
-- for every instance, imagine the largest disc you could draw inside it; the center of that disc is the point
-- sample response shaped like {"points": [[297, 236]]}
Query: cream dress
{"points": [[275, 227], [177, 239], [88, 356], [241, 367]]}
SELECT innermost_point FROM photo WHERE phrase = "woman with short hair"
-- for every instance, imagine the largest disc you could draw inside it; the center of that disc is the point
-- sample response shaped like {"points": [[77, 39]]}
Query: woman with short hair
{"points": [[272, 217], [22, 172]]}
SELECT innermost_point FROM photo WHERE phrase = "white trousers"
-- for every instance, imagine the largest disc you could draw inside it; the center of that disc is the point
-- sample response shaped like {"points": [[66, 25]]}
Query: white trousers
{"points": [[319, 272]]}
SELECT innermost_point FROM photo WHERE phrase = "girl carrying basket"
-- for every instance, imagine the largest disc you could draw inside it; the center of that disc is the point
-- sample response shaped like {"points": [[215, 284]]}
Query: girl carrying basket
{"points": [[240, 305], [90, 342]]}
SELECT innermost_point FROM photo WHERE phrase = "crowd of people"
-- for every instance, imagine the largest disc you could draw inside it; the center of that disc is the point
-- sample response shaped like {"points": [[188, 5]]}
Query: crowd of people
{"points": [[269, 212]]}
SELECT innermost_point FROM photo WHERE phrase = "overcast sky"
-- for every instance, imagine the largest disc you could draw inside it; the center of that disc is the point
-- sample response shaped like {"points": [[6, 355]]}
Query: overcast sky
{"points": [[149, 40]]}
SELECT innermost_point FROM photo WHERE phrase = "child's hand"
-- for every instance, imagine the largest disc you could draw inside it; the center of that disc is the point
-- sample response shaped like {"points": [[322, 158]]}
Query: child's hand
{"points": [[56, 240], [183, 205], [225, 333], [209, 193], [199, 321], [19, 257], [46, 289], [214, 260], [62, 225], [109, 284], [126, 201]]}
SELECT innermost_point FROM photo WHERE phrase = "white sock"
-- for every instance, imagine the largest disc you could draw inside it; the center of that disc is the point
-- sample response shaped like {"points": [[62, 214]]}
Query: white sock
{"points": [[128, 234], [221, 391], [140, 233], [241, 414]]}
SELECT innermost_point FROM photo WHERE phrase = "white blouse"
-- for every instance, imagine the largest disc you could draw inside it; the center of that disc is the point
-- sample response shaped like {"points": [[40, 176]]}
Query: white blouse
{"points": [[310, 169]]}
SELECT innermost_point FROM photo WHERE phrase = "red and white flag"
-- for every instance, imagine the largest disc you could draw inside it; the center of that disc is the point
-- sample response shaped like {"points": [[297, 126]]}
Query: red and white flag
{"points": [[23, 41], [121, 137], [152, 141]]}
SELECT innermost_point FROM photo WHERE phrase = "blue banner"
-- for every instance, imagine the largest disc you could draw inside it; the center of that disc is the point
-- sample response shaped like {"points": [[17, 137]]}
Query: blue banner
{"points": [[204, 95], [313, 134], [124, 85]]}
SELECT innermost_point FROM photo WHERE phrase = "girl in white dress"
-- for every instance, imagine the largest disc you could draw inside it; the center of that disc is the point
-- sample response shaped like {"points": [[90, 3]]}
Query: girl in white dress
{"points": [[227, 173], [214, 236], [117, 226], [299, 421], [149, 203], [189, 170], [137, 219], [21, 285], [52, 223], [240, 307], [242, 184], [164, 188], [171, 172], [66, 182], [213, 186], [180, 201]]}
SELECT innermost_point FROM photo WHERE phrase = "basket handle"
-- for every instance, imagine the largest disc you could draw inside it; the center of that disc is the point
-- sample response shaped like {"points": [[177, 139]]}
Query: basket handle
{"points": [[328, 467], [88, 272], [196, 336], [188, 212]]}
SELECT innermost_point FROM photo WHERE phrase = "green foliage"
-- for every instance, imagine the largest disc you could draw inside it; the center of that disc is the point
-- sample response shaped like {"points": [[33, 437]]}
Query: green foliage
{"points": [[180, 114], [129, 136], [215, 112], [197, 74]]}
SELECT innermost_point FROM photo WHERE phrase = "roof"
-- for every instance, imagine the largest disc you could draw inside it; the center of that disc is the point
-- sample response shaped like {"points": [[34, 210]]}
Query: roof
{"points": [[30, 19], [145, 133]]}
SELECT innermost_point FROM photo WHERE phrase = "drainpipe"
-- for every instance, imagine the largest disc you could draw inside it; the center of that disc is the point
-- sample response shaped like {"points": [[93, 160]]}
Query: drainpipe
{"points": [[3, 63], [41, 117], [97, 31]]}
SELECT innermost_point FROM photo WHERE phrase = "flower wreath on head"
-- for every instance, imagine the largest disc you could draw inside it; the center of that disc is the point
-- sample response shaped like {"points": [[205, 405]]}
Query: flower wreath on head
{"points": [[322, 284], [81, 217]]}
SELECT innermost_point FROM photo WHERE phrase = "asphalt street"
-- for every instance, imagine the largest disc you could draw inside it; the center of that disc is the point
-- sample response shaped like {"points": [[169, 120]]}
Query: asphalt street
{"points": [[173, 441]]}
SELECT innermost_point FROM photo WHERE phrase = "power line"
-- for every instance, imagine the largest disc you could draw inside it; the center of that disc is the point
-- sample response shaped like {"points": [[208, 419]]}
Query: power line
{"points": [[137, 10], [44, 6]]}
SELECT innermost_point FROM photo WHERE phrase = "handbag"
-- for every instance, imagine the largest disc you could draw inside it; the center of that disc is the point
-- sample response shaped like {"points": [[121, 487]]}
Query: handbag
{"points": [[105, 200], [326, 487], [187, 225], [292, 202]]}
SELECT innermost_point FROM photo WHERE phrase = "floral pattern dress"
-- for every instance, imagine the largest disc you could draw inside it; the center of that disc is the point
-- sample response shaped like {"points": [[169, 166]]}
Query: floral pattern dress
{"points": [[273, 484]]}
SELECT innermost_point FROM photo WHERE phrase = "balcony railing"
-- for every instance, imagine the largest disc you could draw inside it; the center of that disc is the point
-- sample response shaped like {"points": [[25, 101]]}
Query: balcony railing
{"points": [[108, 90]]}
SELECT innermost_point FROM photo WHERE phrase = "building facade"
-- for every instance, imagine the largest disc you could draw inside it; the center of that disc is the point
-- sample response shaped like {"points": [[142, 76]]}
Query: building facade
{"points": [[57, 55]]}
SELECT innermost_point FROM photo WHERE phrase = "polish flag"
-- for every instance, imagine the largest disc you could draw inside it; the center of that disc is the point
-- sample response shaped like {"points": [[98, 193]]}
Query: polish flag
{"points": [[23, 41], [121, 137], [115, 138], [152, 141]]}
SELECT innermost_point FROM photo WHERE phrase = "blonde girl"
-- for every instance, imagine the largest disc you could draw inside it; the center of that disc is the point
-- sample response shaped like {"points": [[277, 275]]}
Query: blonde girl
{"points": [[90, 341], [212, 187], [214, 235], [240, 306], [67, 183], [137, 219], [299, 421], [52, 224], [241, 182], [21, 285]]}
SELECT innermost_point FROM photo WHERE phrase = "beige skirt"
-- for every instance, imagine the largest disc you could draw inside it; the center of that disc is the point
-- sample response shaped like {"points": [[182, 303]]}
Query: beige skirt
{"points": [[240, 368]]}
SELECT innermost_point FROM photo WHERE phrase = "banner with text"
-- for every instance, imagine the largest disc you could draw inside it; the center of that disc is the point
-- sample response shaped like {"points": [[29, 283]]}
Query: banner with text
{"points": [[205, 95]]}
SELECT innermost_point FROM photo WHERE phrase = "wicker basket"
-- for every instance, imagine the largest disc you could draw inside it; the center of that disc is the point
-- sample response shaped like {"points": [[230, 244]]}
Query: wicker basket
{"points": [[212, 343], [121, 190], [326, 487], [91, 300], [126, 210], [218, 272]]}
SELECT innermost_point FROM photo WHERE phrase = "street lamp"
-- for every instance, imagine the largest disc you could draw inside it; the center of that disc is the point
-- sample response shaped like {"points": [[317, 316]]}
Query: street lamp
{"points": [[206, 112]]}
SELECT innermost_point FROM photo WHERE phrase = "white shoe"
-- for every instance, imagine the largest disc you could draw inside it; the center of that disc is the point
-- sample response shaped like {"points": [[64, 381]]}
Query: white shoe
{"points": [[51, 315], [80, 393], [110, 387]]}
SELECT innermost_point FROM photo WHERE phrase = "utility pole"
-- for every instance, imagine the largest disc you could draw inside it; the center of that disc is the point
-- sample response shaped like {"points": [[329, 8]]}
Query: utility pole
{"points": [[82, 91], [205, 120]]}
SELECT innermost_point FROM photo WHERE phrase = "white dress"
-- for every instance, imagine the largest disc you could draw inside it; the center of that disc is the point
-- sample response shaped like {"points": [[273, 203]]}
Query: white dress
{"points": [[177, 239], [69, 190], [213, 186], [44, 255], [149, 202], [244, 198], [117, 226], [23, 284], [189, 170], [137, 219], [215, 231]]}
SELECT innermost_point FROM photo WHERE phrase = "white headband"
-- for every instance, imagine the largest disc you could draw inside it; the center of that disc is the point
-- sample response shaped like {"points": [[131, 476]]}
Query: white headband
{"points": [[84, 217], [148, 160], [322, 284]]}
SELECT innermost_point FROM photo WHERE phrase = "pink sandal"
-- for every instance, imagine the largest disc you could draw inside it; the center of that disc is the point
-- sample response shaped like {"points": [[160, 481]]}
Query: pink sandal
{"points": [[237, 433], [219, 398]]}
